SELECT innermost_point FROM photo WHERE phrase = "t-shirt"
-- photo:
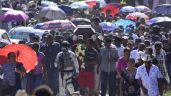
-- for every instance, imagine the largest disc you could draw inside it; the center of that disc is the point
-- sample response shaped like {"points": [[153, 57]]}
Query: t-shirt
{"points": [[90, 56]]}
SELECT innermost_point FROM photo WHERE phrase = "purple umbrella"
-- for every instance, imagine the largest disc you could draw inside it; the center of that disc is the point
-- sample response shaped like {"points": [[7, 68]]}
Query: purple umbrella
{"points": [[14, 15]]}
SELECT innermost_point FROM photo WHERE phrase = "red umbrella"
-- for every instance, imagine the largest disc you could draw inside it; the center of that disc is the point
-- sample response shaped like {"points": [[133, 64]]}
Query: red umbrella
{"points": [[24, 53], [91, 3], [113, 8], [136, 15]]}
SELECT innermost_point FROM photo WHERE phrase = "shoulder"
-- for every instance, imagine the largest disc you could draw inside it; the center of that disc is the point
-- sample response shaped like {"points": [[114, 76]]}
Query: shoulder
{"points": [[140, 67]]}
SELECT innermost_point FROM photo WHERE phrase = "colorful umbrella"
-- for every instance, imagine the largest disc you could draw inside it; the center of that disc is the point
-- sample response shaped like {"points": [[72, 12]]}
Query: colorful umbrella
{"points": [[136, 15], [163, 9], [52, 13], [81, 21], [143, 9], [67, 9], [108, 26], [24, 53], [56, 25], [162, 21], [125, 23], [79, 5], [92, 3], [14, 15], [127, 9], [113, 8]]}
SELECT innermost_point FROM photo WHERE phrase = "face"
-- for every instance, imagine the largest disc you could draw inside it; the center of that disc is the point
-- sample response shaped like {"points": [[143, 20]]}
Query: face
{"points": [[131, 63], [12, 58], [88, 44], [49, 40], [107, 44], [127, 54]]}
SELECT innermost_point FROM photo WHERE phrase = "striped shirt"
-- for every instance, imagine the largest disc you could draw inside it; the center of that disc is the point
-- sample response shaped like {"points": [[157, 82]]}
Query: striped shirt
{"points": [[9, 73]]}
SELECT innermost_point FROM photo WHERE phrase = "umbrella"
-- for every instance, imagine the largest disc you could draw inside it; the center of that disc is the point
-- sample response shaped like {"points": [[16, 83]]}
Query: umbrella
{"points": [[52, 13], [125, 23], [56, 25], [92, 3], [79, 5], [163, 9], [14, 15], [143, 9], [136, 15], [86, 30], [4, 41], [161, 21], [7, 9], [128, 9], [81, 21], [67, 9], [108, 26], [113, 8], [24, 53]]}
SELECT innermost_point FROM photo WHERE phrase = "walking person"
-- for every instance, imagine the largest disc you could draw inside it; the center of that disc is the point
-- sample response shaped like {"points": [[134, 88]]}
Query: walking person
{"points": [[51, 49], [107, 62], [149, 78], [13, 71]]}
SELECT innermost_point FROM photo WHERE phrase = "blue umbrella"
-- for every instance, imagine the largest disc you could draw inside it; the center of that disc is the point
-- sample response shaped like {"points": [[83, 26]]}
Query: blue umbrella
{"points": [[128, 9], [38, 25], [67, 9], [125, 23], [79, 5], [163, 9], [108, 26]]}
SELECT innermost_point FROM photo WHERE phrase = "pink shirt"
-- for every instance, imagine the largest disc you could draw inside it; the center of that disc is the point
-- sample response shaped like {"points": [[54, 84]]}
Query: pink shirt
{"points": [[121, 65]]}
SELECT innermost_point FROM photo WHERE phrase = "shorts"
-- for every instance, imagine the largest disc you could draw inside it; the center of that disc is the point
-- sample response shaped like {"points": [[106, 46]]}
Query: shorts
{"points": [[86, 79]]}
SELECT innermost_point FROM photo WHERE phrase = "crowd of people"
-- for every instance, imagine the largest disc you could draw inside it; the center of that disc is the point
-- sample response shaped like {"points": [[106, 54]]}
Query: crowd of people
{"points": [[134, 61]]}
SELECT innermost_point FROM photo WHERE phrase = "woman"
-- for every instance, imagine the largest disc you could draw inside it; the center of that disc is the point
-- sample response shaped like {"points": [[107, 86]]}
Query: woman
{"points": [[13, 71], [130, 85]]}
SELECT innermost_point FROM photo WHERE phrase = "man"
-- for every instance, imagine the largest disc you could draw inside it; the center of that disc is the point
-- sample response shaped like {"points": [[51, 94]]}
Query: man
{"points": [[51, 49], [107, 62], [87, 75], [119, 47], [66, 61], [149, 78]]}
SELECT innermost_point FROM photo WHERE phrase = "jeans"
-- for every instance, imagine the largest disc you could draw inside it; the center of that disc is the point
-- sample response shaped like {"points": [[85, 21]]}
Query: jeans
{"points": [[108, 78], [38, 80], [53, 80]]}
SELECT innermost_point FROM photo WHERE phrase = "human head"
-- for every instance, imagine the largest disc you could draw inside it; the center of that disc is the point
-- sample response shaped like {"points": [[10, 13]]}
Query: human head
{"points": [[89, 43], [64, 46], [118, 41], [158, 46], [147, 43], [107, 42], [35, 47], [147, 60], [127, 52], [141, 46], [12, 56], [43, 90], [80, 38], [131, 62], [130, 44], [49, 39], [149, 51]]}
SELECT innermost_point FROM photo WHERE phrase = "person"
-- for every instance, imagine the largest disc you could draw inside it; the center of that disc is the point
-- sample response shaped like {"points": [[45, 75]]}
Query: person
{"points": [[107, 62], [38, 72], [51, 49], [13, 71], [43, 90], [66, 61], [130, 85], [119, 47], [87, 76], [149, 78]]}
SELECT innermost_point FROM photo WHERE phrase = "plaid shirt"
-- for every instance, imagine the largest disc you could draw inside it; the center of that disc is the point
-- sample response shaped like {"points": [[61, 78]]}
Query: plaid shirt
{"points": [[161, 58]]}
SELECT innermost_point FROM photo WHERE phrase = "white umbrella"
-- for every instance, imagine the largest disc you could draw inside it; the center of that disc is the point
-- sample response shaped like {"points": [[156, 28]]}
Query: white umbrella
{"points": [[52, 13]]}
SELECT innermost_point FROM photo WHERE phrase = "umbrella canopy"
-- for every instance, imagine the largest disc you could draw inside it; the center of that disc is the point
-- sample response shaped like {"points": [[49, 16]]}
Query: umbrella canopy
{"points": [[163, 9], [80, 21], [52, 13], [113, 8], [161, 21], [86, 30], [79, 5], [14, 15], [136, 15], [127, 9], [67, 9], [7, 9], [143, 9], [92, 3], [125, 23], [24, 53], [108, 26], [56, 25]]}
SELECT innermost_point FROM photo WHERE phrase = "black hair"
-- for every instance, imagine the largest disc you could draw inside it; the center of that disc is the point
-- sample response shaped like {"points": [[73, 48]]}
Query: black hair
{"points": [[10, 53], [43, 90], [90, 40]]}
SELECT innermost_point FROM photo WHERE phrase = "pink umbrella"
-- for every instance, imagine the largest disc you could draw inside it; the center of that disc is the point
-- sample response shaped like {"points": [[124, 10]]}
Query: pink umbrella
{"points": [[143, 9], [14, 15], [136, 15]]}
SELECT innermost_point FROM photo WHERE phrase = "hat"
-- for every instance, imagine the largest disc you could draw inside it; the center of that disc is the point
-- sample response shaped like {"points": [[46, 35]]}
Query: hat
{"points": [[80, 37], [146, 58]]}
